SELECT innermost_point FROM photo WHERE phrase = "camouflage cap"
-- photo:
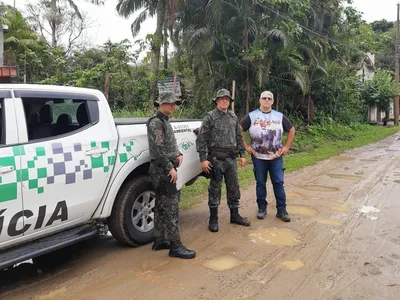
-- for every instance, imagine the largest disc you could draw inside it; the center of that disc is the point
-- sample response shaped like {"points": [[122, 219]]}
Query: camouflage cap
{"points": [[166, 98], [222, 93]]}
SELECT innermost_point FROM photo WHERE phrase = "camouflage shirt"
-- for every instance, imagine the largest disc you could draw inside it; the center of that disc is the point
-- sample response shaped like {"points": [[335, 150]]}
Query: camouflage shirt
{"points": [[162, 143], [219, 130]]}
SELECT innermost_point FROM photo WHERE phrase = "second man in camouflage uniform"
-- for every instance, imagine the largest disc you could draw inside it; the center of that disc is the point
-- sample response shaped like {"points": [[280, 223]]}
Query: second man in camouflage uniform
{"points": [[165, 159], [218, 144]]}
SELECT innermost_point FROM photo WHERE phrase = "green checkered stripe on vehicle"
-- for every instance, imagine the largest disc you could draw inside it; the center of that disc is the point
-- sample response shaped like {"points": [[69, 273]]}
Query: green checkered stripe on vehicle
{"points": [[8, 184], [55, 163], [125, 150]]}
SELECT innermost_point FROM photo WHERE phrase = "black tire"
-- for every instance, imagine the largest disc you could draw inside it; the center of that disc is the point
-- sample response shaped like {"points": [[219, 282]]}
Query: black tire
{"points": [[132, 217]]}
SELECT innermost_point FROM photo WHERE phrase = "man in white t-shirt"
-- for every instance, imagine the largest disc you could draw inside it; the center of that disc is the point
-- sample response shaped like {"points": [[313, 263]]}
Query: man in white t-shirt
{"points": [[266, 127]]}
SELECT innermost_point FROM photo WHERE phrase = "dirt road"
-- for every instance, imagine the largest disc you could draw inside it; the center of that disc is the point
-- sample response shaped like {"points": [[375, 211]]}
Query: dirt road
{"points": [[330, 250]]}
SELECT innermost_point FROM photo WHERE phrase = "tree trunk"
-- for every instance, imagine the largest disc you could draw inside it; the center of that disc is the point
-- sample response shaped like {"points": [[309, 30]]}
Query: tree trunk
{"points": [[178, 55], [1, 45], [387, 116], [53, 22], [246, 47], [309, 110], [379, 116], [165, 46], [156, 45]]}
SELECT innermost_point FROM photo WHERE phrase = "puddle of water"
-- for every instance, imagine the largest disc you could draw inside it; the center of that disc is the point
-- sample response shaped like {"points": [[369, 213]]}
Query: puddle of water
{"points": [[329, 222], [274, 237], [368, 159], [342, 176], [359, 173], [319, 188], [369, 209], [339, 208], [342, 158], [346, 168], [294, 195], [299, 210], [397, 181], [340, 201], [53, 294], [314, 198], [223, 263], [293, 265]]}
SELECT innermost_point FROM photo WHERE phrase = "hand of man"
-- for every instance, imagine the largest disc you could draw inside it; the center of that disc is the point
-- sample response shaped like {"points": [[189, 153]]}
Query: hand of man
{"points": [[180, 159], [174, 175], [205, 165], [283, 151], [250, 150], [242, 161]]}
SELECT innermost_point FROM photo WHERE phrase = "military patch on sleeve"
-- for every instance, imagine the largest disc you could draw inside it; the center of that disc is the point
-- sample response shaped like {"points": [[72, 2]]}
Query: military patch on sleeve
{"points": [[159, 139]]}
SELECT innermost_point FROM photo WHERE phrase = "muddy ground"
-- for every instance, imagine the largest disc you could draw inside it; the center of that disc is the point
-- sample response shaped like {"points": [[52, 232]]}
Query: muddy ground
{"points": [[330, 250]]}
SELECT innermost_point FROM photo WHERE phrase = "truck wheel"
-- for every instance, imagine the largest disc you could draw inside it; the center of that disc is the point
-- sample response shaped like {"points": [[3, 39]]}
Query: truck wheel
{"points": [[132, 218]]}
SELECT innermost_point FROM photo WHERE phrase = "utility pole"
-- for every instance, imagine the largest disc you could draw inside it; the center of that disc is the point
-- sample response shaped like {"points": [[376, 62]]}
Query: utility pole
{"points": [[396, 75], [233, 95], [1, 44]]}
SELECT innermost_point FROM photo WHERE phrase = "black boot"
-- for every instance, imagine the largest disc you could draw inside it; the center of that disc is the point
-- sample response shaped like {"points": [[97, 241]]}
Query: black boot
{"points": [[283, 215], [178, 250], [161, 243], [238, 219], [213, 222]]}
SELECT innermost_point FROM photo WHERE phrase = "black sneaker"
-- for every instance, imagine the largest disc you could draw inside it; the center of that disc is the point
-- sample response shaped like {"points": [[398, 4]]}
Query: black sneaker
{"points": [[261, 214], [284, 216]]}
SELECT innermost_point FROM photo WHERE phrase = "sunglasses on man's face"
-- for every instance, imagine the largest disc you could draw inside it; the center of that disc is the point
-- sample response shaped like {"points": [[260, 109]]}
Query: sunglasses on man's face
{"points": [[266, 98]]}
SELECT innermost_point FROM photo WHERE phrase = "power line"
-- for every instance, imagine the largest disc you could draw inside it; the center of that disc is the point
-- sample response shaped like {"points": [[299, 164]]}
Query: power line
{"points": [[324, 9], [304, 27], [242, 65], [307, 28]]}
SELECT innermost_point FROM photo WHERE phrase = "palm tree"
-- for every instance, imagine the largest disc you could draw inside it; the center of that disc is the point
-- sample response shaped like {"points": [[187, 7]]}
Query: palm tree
{"points": [[165, 12], [246, 17]]}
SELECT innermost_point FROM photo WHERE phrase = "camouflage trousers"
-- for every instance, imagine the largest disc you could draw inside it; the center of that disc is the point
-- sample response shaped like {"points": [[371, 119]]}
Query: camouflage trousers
{"points": [[224, 169], [166, 209]]}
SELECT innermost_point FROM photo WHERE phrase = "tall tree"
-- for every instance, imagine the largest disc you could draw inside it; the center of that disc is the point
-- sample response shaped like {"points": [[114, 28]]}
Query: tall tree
{"points": [[59, 18], [165, 14]]}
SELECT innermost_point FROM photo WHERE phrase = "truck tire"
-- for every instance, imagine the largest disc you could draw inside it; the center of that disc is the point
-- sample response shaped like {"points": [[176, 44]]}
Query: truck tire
{"points": [[132, 217]]}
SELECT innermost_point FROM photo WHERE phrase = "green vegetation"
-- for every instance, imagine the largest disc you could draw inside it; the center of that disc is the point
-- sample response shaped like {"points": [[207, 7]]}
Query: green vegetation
{"points": [[315, 144], [306, 52]]}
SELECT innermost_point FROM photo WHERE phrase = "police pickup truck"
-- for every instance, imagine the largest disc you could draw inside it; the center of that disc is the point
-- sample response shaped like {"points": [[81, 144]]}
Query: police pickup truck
{"points": [[67, 167]]}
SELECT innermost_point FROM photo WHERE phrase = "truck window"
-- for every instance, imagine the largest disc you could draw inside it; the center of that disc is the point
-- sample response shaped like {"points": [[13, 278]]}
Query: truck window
{"points": [[49, 118], [2, 123]]}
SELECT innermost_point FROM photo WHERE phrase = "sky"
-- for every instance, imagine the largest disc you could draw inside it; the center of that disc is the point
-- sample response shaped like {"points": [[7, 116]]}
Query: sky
{"points": [[106, 24]]}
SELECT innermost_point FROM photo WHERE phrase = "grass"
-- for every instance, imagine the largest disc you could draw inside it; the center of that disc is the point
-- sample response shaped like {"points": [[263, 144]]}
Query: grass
{"points": [[311, 145]]}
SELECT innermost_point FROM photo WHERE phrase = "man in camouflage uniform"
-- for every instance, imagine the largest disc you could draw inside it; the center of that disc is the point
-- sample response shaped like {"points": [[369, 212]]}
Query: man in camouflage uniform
{"points": [[219, 143], [165, 159]]}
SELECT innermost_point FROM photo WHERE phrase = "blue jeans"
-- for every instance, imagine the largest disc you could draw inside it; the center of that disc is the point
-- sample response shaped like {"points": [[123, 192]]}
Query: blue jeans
{"points": [[275, 169]]}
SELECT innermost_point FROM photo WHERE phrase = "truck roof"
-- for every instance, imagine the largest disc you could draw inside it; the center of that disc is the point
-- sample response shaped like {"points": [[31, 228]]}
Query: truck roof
{"points": [[44, 87]]}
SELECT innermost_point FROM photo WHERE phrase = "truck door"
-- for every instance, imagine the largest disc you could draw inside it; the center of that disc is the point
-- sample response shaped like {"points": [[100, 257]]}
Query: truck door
{"points": [[11, 209], [68, 146]]}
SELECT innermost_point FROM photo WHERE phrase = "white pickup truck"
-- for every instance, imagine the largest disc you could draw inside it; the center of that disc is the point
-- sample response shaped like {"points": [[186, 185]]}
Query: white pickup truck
{"points": [[66, 166]]}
